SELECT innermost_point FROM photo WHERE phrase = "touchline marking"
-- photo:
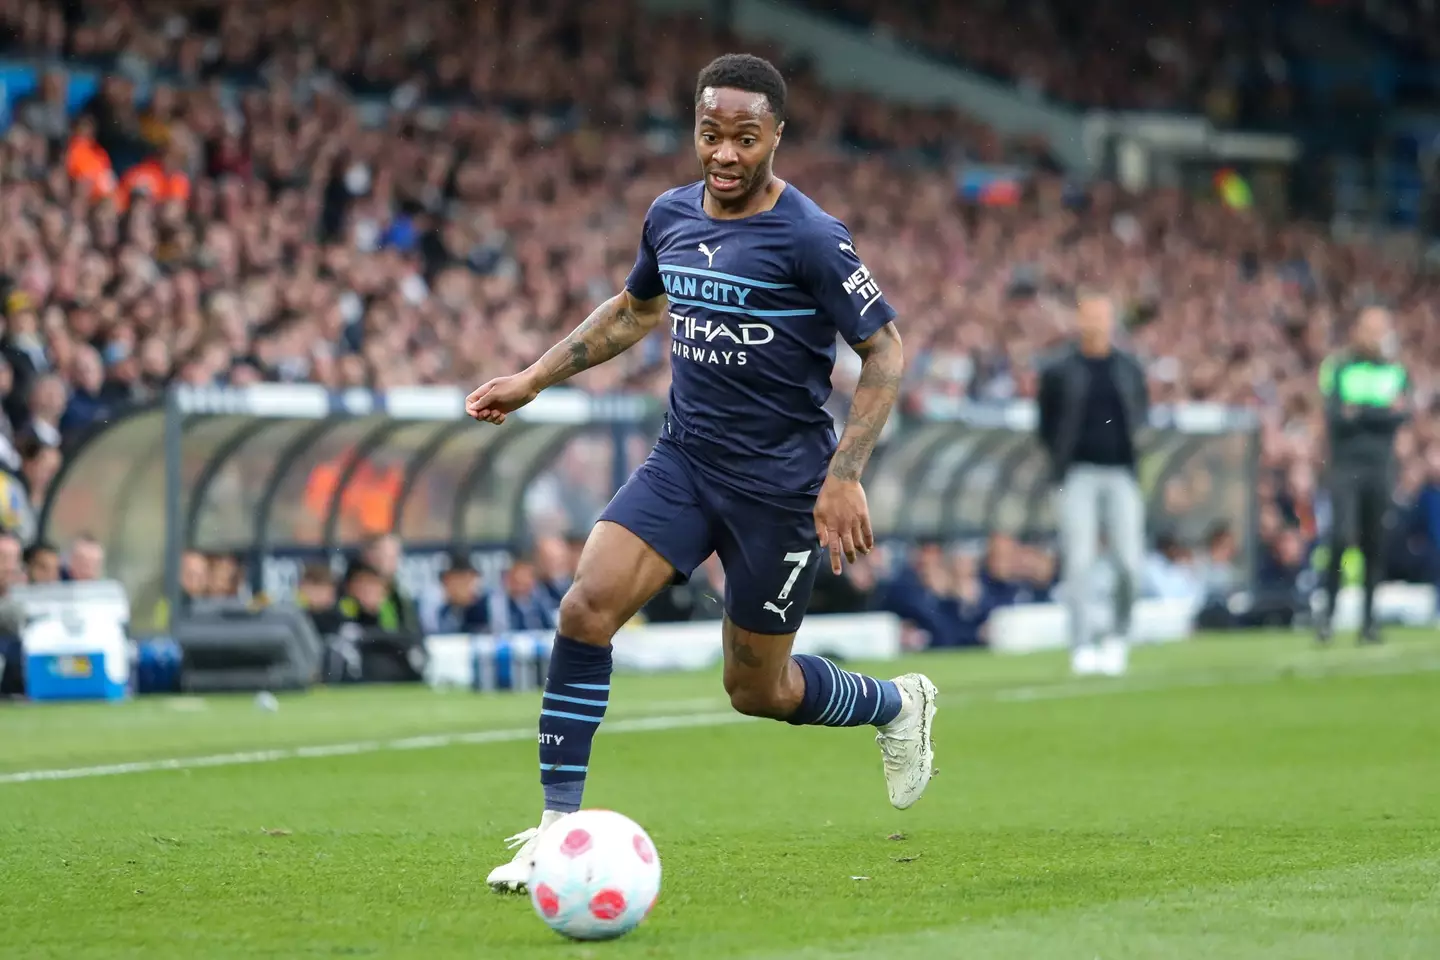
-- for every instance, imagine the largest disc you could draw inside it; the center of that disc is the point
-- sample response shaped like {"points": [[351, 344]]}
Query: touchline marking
{"points": [[1065, 690], [1387, 666], [636, 725]]}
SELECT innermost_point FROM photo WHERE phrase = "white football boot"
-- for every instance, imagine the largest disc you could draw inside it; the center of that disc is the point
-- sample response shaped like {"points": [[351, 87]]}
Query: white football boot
{"points": [[1114, 657], [514, 877], [1085, 660], [905, 743]]}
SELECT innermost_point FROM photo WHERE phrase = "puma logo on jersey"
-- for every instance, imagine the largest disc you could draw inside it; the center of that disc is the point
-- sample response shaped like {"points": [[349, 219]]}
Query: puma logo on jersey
{"points": [[709, 254], [777, 610], [846, 246]]}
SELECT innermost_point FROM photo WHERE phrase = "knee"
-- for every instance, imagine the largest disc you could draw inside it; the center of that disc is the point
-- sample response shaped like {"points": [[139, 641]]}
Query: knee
{"points": [[586, 616], [765, 700]]}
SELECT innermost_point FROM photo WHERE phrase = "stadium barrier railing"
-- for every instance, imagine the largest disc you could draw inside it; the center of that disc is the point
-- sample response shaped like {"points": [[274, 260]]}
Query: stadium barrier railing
{"points": [[281, 475], [515, 660]]}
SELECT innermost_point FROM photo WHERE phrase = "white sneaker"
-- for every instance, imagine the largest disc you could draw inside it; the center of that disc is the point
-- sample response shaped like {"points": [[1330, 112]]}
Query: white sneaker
{"points": [[514, 877], [905, 743], [1085, 660], [1114, 657]]}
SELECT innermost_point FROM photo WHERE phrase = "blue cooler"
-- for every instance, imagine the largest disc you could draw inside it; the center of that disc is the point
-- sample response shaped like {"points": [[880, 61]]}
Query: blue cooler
{"points": [[75, 657]]}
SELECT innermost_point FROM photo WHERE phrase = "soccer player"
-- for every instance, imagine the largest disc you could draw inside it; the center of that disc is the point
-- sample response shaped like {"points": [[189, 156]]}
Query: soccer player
{"points": [[755, 282]]}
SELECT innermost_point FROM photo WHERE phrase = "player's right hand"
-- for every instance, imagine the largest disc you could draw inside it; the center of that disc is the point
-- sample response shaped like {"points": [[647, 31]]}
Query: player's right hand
{"points": [[491, 401]]}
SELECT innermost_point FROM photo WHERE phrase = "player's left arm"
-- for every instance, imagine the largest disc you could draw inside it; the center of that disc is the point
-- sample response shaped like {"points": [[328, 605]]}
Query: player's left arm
{"points": [[882, 367], [850, 296]]}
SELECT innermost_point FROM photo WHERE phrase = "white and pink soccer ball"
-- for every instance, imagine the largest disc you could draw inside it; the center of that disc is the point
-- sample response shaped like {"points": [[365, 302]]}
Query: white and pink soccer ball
{"points": [[596, 875]]}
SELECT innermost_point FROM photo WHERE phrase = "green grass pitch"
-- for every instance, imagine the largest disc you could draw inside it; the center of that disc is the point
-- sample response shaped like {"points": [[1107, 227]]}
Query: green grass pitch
{"points": [[1232, 798]]}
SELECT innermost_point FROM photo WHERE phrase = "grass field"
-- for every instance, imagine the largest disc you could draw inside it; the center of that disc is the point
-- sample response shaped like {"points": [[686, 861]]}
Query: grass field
{"points": [[1236, 798]]}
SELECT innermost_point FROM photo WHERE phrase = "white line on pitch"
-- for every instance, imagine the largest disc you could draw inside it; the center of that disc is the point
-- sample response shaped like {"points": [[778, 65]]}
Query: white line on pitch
{"points": [[635, 725], [1311, 670]]}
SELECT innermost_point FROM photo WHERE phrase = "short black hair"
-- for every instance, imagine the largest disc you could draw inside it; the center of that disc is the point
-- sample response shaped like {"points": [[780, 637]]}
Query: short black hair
{"points": [[315, 574], [37, 548], [743, 71]]}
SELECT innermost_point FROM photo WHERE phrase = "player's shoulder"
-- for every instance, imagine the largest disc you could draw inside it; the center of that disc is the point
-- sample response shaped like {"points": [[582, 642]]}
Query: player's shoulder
{"points": [[683, 199], [808, 219]]}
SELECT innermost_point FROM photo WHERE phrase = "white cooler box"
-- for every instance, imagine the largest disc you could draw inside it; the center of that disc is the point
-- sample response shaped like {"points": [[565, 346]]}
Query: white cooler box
{"points": [[75, 646]]}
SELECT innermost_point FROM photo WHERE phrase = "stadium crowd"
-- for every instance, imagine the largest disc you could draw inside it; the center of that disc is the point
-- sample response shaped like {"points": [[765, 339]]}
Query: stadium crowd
{"points": [[302, 191], [1260, 64], [1224, 58]]}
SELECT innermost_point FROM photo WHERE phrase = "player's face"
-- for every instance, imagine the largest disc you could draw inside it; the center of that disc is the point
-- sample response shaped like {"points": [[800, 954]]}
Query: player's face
{"points": [[735, 138]]}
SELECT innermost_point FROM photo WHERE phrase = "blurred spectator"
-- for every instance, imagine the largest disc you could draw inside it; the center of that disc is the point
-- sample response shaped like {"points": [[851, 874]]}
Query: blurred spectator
{"points": [[12, 565], [383, 554], [42, 563], [916, 593], [316, 595], [194, 575], [554, 566], [366, 600], [965, 602], [523, 604], [224, 578], [47, 112], [1218, 567], [87, 163], [1284, 562], [699, 598], [1170, 573], [162, 179], [1001, 575], [12, 617], [88, 404], [39, 463], [194, 586], [464, 609], [46, 404], [850, 592], [86, 561]]}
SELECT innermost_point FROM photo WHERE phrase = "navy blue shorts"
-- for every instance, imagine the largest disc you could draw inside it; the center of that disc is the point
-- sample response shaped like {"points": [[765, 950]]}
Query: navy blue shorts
{"points": [[769, 549]]}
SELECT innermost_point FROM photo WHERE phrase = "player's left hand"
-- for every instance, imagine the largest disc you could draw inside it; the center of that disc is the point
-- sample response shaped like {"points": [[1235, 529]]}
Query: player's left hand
{"points": [[842, 519]]}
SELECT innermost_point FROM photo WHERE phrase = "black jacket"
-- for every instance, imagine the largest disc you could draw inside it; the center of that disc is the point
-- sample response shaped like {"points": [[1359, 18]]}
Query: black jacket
{"points": [[1064, 385]]}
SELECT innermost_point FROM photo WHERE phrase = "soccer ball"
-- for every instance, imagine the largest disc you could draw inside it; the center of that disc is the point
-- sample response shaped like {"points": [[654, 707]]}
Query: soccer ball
{"points": [[596, 875]]}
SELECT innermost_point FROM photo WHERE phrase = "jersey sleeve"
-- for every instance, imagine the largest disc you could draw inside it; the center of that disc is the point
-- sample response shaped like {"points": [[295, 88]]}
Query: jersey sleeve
{"points": [[644, 282], [833, 273]]}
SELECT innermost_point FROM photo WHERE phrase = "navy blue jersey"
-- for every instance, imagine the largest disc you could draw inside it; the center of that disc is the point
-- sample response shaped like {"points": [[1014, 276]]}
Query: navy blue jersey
{"points": [[755, 306]]}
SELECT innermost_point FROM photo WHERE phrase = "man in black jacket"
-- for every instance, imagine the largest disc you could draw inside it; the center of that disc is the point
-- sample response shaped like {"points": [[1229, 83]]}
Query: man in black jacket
{"points": [[1365, 404], [1092, 401]]}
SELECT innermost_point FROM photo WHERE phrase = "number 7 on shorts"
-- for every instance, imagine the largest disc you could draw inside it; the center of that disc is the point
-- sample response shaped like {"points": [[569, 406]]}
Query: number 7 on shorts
{"points": [[799, 558]]}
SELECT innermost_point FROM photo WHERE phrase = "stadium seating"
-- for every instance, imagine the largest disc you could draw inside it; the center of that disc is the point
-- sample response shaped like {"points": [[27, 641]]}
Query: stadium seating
{"points": [[311, 194]]}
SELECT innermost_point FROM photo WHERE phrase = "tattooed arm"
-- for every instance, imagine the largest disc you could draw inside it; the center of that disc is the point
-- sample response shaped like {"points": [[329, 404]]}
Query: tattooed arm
{"points": [[614, 327], [842, 517], [882, 364]]}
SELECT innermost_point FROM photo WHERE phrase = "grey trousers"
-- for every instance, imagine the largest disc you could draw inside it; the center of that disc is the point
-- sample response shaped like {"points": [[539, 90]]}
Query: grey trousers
{"points": [[1089, 501]]}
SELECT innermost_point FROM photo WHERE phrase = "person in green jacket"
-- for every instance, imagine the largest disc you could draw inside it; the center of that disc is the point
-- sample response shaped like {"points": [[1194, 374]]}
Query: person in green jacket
{"points": [[1366, 402]]}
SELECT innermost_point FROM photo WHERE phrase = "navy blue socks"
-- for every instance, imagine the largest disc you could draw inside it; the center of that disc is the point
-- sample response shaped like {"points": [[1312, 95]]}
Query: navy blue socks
{"points": [[839, 698], [577, 691]]}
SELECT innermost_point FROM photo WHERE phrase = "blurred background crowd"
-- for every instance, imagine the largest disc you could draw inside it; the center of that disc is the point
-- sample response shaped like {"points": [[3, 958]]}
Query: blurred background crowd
{"points": [[381, 193]]}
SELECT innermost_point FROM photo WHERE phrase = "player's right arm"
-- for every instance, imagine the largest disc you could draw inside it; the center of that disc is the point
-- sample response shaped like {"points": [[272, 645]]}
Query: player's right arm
{"points": [[614, 327]]}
